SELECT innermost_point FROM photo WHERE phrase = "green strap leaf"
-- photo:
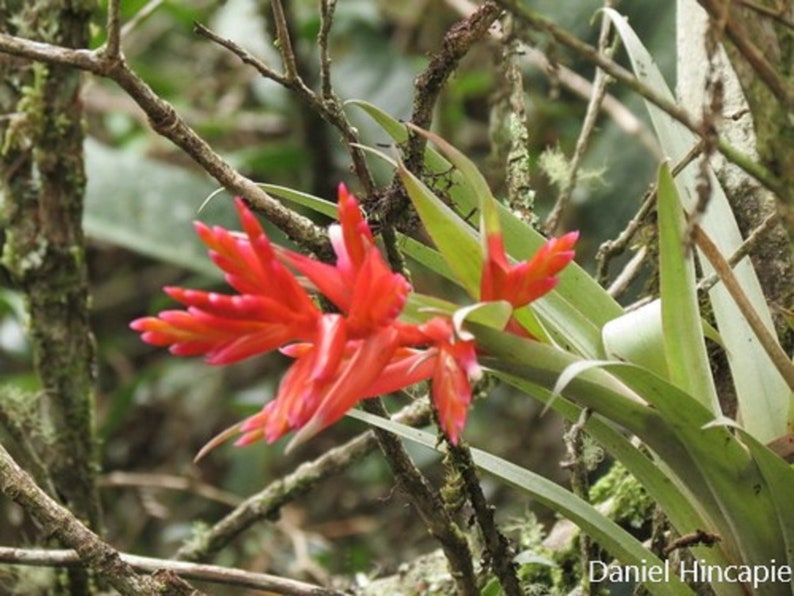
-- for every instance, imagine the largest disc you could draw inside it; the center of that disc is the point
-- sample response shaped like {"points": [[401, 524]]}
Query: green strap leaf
{"points": [[684, 345], [761, 390]]}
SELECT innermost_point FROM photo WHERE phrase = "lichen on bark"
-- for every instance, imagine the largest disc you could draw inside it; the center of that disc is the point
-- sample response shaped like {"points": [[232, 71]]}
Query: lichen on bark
{"points": [[44, 250]]}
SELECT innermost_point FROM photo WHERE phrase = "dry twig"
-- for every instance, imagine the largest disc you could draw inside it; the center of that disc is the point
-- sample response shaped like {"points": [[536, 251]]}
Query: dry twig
{"points": [[161, 567]]}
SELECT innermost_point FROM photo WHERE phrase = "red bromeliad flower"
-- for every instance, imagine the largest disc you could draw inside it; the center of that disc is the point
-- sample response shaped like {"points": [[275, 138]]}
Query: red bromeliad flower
{"points": [[526, 281], [362, 351], [340, 358]]}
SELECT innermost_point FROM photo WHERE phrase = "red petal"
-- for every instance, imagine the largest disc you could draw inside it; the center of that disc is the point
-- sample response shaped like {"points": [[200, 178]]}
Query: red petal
{"points": [[331, 340], [350, 387], [325, 278], [356, 237], [378, 297], [451, 395]]}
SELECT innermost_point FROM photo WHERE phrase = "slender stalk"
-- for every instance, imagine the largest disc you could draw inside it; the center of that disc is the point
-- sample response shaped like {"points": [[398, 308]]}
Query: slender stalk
{"points": [[113, 44], [208, 573], [57, 520], [496, 544], [428, 505], [267, 503], [767, 340], [594, 104]]}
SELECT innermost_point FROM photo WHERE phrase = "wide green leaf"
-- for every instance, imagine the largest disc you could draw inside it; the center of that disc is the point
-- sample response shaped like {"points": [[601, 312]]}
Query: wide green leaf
{"points": [[728, 491]]}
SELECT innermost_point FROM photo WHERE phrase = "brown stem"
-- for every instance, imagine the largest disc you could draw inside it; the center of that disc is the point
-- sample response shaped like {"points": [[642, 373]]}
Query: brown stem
{"points": [[58, 521], [166, 121], [497, 545], [427, 504], [456, 44], [767, 340], [267, 503], [160, 567]]}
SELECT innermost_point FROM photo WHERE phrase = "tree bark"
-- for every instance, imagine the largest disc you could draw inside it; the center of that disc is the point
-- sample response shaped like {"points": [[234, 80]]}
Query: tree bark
{"points": [[43, 185]]}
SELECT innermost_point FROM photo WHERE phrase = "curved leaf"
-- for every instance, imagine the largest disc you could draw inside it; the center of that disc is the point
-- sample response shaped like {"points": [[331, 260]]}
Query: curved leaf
{"points": [[684, 345], [608, 534], [761, 390]]}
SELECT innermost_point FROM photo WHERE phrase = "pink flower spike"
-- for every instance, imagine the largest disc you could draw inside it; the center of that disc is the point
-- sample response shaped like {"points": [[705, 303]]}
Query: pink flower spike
{"points": [[339, 358]]}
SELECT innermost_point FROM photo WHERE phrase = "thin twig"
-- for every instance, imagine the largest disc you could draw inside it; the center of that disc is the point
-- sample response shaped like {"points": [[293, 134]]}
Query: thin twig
{"points": [[170, 482], [284, 41], [112, 47], [456, 44], [329, 108], [767, 340], [498, 547], [166, 121], [140, 16], [599, 90], [577, 84], [267, 503], [427, 503], [459, 39], [208, 573], [612, 106], [628, 274], [613, 248], [247, 58], [56, 520], [660, 100], [327, 8], [575, 461], [757, 235]]}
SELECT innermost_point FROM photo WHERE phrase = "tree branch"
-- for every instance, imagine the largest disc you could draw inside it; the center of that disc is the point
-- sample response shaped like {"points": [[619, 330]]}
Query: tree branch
{"points": [[497, 546], [267, 503], [597, 96], [672, 109], [208, 573], [329, 106], [58, 521], [457, 42], [428, 505], [166, 121], [112, 47]]}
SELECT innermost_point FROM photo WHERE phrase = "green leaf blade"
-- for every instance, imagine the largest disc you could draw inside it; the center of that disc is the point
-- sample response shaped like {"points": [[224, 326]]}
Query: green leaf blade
{"points": [[684, 344]]}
